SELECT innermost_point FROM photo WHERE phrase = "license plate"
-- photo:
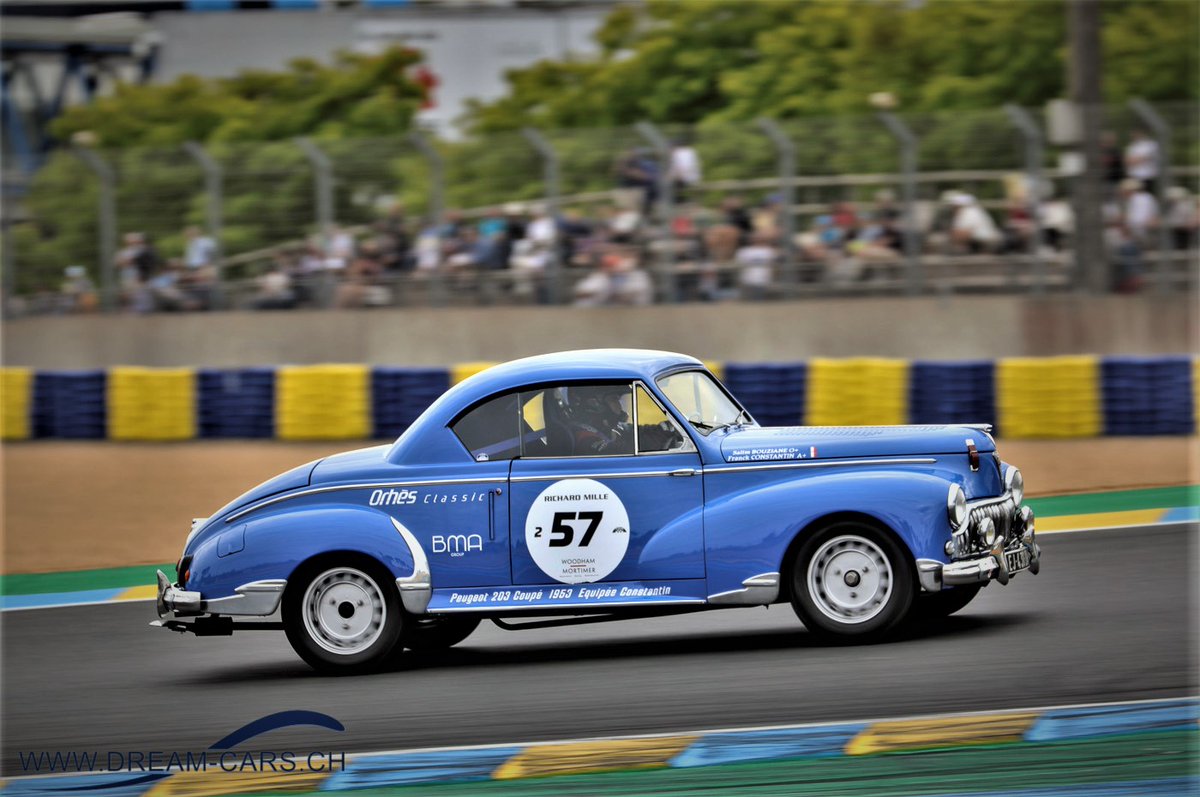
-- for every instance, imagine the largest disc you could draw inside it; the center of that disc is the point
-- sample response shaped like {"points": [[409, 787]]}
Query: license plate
{"points": [[1017, 560]]}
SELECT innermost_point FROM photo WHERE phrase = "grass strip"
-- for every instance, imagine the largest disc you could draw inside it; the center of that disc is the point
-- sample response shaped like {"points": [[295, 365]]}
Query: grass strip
{"points": [[80, 580], [1116, 501]]}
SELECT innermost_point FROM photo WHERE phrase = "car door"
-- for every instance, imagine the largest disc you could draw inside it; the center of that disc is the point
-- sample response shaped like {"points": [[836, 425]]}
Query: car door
{"points": [[596, 497]]}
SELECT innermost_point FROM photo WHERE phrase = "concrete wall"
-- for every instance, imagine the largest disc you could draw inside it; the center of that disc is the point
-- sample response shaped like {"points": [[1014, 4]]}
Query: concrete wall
{"points": [[960, 327]]}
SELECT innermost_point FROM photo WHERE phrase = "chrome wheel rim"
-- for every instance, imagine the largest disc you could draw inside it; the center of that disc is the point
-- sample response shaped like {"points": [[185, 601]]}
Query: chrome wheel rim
{"points": [[850, 579], [344, 611]]}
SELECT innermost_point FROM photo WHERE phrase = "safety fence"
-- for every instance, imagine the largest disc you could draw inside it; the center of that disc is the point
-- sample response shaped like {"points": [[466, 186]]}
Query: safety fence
{"points": [[1050, 397]]}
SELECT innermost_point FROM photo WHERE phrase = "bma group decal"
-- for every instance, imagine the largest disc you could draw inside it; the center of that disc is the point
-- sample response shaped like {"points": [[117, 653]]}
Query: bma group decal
{"points": [[577, 531]]}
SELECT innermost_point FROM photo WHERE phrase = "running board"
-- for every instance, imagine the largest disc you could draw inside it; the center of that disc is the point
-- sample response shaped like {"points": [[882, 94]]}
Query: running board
{"points": [[215, 626], [592, 618]]}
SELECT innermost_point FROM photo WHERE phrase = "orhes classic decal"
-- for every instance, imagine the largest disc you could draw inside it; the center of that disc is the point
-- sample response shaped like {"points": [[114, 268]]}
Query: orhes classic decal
{"points": [[577, 531]]}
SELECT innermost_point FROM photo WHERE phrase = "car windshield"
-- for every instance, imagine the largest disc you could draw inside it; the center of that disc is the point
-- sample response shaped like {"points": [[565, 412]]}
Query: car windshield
{"points": [[701, 400]]}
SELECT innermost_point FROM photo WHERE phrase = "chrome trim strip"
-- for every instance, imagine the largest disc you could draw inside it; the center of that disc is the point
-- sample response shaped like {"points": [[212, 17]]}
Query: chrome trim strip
{"points": [[982, 502], [256, 599], [362, 486], [756, 591], [598, 476], [416, 590], [830, 463], [555, 606]]}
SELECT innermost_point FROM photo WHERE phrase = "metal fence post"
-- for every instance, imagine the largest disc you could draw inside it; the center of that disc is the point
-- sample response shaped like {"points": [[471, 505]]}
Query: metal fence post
{"points": [[437, 199], [1162, 134], [666, 205], [785, 148], [1034, 161], [107, 218], [552, 188], [908, 168], [213, 210], [437, 174], [322, 181], [322, 168]]}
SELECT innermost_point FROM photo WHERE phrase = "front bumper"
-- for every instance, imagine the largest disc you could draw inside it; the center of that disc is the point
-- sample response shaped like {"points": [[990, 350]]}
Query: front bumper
{"points": [[1001, 563], [255, 599]]}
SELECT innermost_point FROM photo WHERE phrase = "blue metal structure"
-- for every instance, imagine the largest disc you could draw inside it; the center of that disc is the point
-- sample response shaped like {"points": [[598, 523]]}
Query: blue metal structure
{"points": [[507, 497]]}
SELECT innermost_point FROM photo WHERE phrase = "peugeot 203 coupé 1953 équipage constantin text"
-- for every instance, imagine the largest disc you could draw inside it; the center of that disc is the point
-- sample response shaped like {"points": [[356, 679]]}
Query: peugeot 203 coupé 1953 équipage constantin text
{"points": [[598, 485]]}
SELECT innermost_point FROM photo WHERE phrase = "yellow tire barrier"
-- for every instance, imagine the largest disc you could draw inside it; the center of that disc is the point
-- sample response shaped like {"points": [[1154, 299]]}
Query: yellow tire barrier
{"points": [[323, 402], [151, 403], [16, 396], [861, 391], [1049, 397]]}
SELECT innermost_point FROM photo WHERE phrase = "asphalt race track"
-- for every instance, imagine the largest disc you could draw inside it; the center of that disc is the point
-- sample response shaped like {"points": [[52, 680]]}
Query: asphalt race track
{"points": [[1108, 619]]}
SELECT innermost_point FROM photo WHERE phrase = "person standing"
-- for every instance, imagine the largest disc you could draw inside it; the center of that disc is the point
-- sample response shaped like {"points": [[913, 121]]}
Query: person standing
{"points": [[1142, 160]]}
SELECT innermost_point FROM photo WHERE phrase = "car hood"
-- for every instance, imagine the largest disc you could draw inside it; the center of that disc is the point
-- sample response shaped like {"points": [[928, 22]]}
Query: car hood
{"points": [[757, 444]]}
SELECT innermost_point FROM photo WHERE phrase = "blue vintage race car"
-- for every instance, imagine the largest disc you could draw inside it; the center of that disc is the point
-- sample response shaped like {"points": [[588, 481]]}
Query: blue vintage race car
{"points": [[604, 484]]}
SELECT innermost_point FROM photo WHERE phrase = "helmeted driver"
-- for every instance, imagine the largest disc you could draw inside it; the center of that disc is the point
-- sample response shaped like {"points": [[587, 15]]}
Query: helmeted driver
{"points": [[599, 422]]}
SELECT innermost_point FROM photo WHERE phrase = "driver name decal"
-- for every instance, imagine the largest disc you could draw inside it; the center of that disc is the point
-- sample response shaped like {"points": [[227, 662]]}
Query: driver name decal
{"points": [[577, 531]]}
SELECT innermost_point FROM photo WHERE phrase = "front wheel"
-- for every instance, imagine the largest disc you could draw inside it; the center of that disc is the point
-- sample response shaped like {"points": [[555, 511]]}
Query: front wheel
{"points": [[851, 582], [342, 616]]}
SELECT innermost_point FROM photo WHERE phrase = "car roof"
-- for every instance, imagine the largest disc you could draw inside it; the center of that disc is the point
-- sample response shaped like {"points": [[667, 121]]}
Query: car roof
{"points": [[583, 364]]}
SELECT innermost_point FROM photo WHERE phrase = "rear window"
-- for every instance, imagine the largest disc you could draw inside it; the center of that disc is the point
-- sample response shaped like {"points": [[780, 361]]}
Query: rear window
{"points": [[491, 430]]}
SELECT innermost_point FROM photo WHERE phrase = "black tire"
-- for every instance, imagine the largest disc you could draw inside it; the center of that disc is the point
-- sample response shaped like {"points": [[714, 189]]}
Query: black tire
{"points": [[436, 633], [363, 603], [836, 609], [938, 605]]}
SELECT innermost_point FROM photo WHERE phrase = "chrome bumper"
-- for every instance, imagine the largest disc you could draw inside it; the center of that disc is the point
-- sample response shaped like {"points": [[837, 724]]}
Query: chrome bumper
{"points": [[992, 566], [256, 599]]}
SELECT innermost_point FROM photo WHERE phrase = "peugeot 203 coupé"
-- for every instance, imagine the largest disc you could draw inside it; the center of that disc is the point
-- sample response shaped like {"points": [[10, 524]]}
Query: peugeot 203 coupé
{"points": [[597, 485]]}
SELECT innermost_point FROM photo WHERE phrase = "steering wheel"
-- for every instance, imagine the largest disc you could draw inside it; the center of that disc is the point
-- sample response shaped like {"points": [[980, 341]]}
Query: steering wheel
{"points": [[671, 436]]}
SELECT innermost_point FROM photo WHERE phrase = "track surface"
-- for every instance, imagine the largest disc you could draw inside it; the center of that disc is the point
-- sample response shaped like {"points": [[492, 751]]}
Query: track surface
{"points": [[1109, 618]]}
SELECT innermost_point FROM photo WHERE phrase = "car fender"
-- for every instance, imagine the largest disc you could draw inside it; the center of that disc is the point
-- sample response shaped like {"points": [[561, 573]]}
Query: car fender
{"points": [[749, 525], [274, 546]]}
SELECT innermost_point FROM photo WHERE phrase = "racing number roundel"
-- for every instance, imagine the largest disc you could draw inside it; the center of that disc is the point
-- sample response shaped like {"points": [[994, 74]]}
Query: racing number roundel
{"points": [[577, 531]]}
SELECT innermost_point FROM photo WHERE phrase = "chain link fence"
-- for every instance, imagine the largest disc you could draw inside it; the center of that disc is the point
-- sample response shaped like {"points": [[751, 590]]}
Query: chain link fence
{"points": [[871, 203]]}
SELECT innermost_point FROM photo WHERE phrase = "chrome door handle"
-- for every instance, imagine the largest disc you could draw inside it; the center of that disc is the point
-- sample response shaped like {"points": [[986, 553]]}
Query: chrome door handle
{"points": [[684, 472]]}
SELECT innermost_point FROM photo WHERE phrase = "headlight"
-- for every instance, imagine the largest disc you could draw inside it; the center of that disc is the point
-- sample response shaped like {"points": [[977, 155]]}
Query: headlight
{"points": [[987, 532], [956, 506], [1014, 482]]}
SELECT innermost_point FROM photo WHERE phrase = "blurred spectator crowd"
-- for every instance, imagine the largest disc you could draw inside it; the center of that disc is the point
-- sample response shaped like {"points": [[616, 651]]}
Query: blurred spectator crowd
{"points": [[713, 247]]}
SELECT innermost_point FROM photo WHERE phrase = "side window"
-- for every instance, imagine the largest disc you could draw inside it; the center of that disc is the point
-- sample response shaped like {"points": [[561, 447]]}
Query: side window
{"points": [[578, 421], [657, 431], [491, 430]]}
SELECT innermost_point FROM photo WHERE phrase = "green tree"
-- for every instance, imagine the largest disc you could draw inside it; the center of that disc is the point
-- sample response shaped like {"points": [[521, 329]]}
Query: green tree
{"points": [[246, 123]]}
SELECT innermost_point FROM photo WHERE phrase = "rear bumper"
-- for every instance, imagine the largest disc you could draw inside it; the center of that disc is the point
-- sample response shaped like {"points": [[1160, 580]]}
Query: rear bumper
{"points": [[255, 599]]}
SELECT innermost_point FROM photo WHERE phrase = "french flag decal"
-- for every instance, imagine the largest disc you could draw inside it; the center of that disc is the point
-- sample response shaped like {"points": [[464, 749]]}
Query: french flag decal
{"points": [[812, 452]]}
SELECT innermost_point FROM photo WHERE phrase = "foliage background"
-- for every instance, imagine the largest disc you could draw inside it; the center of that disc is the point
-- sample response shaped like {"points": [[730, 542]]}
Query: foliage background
{"points": [[703, 69]]}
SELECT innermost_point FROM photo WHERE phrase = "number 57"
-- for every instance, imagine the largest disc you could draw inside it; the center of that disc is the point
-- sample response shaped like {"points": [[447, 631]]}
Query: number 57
{"points": [[565, 534]]}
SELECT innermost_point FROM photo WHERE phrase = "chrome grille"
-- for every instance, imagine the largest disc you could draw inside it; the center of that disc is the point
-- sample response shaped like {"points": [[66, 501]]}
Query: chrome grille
{"points": [[1001, 513]]}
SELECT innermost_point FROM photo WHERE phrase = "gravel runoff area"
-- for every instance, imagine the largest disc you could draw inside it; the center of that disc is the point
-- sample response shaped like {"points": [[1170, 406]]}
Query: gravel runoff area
{"points": [[86, 505]]}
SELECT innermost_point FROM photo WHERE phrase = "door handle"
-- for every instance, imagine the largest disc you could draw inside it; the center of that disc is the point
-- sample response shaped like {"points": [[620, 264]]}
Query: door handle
{"points": [[684, 472], [492, 512]]}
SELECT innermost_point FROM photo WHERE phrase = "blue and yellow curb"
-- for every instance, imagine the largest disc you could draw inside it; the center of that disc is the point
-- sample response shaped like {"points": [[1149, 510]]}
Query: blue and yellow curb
{"points": [[666, 751]]}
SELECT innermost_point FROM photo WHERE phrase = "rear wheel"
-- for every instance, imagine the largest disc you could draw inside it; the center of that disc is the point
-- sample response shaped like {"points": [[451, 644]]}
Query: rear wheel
{"points": [[436, 633], [342, 615], [851, 582], [936, 605]]}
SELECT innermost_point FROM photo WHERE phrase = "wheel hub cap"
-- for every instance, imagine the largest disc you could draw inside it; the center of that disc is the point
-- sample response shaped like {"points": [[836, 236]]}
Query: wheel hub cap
{"points": [[344, 610], [850, 579]]}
